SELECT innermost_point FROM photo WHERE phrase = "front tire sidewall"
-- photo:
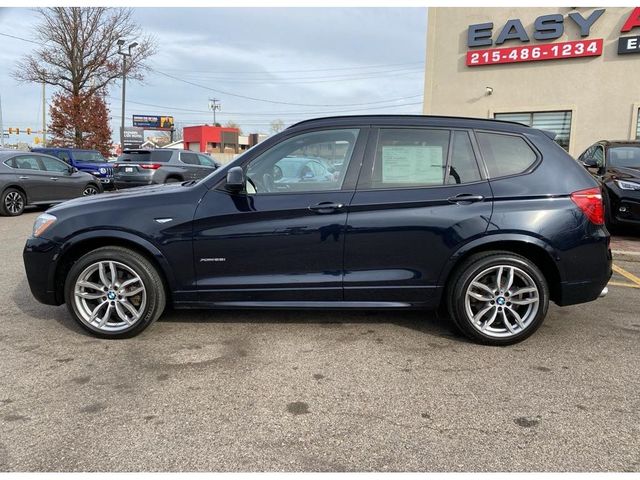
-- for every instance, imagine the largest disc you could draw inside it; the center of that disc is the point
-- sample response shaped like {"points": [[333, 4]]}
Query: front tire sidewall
{"points": [[148, 274], [456, 300]]}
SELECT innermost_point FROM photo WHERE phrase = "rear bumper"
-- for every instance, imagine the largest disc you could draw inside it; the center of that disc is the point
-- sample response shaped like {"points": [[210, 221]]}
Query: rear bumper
{"points": [[574, 292], [121, 183], [40, 257]]}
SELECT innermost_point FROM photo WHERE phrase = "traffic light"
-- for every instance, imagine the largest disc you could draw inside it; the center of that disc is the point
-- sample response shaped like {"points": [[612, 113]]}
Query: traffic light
{"points": [[11, 131], [28, 131], [18, 131]]}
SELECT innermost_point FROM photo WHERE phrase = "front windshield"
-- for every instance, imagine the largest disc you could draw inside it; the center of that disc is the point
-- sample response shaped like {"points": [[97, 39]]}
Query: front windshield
{"points": [[89, 157], [625, 157]]}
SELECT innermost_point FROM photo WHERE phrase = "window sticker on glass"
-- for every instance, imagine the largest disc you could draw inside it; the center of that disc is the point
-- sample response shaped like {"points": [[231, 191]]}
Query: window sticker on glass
{"points": [[412, 164]]}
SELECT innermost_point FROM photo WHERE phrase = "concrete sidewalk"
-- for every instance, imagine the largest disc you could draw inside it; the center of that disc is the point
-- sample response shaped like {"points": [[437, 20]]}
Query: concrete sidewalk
{"points": [[626, 247]]}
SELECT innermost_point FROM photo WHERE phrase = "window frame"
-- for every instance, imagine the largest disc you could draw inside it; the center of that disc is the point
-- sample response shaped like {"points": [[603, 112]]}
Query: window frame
{"points": [[353, 169], [527, 171], [366, 173]]}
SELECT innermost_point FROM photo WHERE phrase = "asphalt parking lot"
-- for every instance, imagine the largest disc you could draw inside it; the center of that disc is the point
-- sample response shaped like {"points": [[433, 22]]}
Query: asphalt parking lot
{"points": [[319, 391]]}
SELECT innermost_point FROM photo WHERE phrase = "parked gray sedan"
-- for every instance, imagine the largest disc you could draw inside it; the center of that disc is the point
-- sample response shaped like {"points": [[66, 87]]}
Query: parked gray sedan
{"points": [[135, 168], [28, 178]]}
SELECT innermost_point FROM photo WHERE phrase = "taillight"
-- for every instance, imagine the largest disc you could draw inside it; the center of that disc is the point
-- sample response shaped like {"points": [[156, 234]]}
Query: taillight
{"points": [[590, 202], [150, 166]]}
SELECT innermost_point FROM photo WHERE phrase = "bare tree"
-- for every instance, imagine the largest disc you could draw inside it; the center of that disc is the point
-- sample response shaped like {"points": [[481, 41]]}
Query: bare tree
{"points": [[277, 125], [232, 124], [79, 52]]}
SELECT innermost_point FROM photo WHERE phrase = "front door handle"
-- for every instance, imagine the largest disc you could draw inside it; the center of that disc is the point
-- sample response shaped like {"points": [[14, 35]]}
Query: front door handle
{"points": [[23, 178], [55, 179], [326, 207], [465, 198]]}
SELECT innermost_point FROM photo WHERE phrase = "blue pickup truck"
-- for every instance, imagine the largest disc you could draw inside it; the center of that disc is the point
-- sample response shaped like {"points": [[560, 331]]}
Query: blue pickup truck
{"points": [[90, 161]]}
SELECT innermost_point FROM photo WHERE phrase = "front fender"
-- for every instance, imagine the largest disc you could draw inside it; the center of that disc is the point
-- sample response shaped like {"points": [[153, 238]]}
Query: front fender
{"points": [[122, 237]]}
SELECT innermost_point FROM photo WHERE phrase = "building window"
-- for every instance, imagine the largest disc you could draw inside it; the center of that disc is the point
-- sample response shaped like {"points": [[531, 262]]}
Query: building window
{"points": [[558, 122]]}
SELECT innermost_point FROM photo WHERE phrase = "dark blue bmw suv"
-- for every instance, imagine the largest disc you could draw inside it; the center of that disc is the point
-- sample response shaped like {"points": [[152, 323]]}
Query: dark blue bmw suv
{"points": [[491, 219]]}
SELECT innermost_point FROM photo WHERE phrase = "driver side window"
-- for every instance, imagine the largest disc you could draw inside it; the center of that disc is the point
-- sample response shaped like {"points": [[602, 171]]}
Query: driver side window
{"points": [[309, 162]]}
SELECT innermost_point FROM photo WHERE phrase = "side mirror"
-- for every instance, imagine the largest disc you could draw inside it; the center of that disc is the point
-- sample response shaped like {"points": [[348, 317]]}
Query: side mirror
{"points": [[72, 170], [235, 180], [589, 162]]}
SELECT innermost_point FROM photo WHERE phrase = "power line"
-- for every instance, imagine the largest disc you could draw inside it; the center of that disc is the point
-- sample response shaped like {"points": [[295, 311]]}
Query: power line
{"points": [[21, 38], [256, 99], [302, 71]]}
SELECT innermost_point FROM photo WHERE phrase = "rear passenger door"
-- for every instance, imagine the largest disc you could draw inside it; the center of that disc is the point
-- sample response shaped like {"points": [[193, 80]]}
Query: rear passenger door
{"points": [[33, 178], [191, 165], [420, 196]]}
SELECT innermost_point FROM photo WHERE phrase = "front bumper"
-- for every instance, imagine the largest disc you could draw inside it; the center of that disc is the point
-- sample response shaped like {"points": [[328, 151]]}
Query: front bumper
{"points": [[40, 259]]}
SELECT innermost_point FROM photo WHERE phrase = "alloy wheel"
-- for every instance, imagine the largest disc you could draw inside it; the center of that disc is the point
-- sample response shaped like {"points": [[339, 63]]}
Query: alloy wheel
{"points": [[14, 202], [502, 301], [90, 190], [110, 296]]}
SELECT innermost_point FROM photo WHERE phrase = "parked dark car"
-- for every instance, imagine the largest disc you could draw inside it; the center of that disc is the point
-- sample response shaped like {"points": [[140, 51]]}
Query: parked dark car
{"points": [[293, 170], [492, 219], [90, 161], [28, 178], [617, 166], [135, 168]]}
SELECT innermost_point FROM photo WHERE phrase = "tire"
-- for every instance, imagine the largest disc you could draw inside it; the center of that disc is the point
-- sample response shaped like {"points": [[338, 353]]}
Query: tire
{"points": [[172, 180], [90, 189], [12, 202], [466, 301], [85, 298]]}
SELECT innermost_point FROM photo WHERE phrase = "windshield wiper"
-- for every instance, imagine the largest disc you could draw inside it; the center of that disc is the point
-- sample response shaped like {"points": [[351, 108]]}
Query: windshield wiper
{"points": [[189, 182]]}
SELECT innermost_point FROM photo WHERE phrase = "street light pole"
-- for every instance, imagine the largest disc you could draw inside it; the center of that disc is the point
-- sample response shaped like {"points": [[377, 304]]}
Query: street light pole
{"points": [[124, 83]]}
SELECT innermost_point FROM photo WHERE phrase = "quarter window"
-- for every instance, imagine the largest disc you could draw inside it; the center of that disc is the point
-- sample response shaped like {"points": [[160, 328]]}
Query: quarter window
{"points": [[289, 166], [505, 154], [558, 122]]}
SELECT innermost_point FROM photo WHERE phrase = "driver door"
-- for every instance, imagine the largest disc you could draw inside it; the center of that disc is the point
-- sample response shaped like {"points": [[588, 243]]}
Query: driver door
{"points": [[281, 240]]}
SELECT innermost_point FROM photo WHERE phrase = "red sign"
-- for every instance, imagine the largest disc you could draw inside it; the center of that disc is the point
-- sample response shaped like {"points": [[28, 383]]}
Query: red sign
{"points": [[535, 53]]}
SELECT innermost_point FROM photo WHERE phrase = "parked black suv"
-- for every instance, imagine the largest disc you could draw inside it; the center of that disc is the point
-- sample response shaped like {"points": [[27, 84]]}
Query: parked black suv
{"points": [[617, 166], [491, 218]]}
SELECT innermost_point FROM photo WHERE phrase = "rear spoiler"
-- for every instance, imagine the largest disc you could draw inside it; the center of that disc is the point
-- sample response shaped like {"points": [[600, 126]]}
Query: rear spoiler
{"points": [[550, 134]]}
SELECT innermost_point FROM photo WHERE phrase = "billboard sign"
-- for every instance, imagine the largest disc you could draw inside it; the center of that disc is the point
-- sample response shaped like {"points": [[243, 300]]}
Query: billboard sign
{"points": [[153, 122], [133, 137]]}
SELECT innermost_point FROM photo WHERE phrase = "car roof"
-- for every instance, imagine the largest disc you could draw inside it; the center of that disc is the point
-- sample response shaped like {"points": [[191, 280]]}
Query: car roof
{"points": [[416, 120]]}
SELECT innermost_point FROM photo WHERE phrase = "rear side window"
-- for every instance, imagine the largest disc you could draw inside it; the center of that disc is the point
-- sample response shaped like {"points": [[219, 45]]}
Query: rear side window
{"points": [[505, 154], [189, 158], [410, 158], [64, 156]]}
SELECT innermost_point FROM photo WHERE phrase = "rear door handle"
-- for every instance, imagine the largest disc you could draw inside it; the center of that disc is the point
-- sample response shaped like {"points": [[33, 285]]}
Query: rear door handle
{"points": [[23, 178], [326, 207], [465, 198], [55, 179]]}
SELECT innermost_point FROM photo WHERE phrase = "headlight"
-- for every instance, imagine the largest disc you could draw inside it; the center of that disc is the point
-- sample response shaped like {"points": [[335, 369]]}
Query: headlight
{"points": [[103, 171], [42, 223], [627, 185]]}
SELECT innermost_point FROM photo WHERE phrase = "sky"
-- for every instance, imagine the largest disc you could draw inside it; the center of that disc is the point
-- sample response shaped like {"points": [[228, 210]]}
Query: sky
{"points": [[305, 62]]}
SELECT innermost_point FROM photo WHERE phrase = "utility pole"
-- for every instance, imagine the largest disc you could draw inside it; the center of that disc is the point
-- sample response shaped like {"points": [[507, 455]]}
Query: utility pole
{"points": [[124, 82], [213, 106], [44, 116], [1, 125]]}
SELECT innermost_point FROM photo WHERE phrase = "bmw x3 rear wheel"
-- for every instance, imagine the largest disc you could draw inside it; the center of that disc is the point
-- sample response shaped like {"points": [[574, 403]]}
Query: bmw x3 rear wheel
{"points": [[498, 298], [114, 292]]}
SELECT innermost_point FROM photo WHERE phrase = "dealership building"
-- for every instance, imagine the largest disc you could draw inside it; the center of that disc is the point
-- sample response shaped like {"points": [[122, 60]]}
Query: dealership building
{"points": [[574, 71]]}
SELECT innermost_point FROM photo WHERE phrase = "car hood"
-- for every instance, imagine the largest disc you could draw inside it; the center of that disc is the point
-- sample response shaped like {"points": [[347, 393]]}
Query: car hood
{"points": [[95, 165], [626, 173], [122, 195]]}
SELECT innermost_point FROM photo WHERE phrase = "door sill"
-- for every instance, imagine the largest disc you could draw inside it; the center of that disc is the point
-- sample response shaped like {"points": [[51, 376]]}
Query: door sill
{"points": [[297, 305]]}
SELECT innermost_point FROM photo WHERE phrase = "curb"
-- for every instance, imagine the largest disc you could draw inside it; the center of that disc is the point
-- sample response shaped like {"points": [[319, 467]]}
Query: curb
{"points": [[625, 256]]}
